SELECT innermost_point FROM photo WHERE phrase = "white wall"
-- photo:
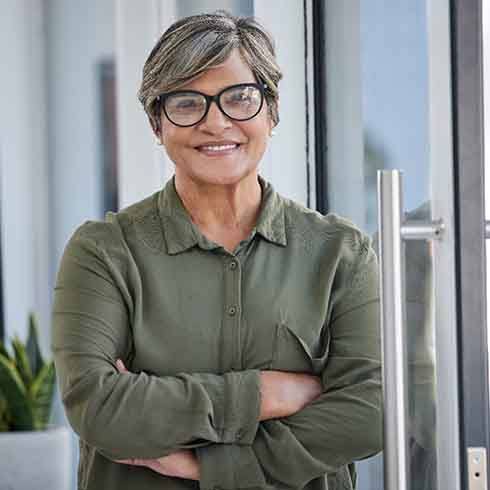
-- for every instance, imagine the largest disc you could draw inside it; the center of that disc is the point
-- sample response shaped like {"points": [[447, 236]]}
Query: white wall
{"points": [[23, 168], [142, 166], [193, 7], [78, 36], [285, 162]]}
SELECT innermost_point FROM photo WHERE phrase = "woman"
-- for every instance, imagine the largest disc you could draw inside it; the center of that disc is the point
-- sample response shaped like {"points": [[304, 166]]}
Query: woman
{"points": [[217, 334]]}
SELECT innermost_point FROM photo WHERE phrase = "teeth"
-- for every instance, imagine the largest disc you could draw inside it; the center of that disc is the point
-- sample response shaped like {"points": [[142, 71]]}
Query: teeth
{"points": [[218, 147]]}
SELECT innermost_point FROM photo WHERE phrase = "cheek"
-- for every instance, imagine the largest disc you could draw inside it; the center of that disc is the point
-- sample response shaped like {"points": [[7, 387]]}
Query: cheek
{"points": [[260, 137], [258, 130], [174, 137]]}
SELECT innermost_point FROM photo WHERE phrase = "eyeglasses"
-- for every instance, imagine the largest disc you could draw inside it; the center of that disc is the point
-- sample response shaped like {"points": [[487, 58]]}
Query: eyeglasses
{"points": [[189, 107]]}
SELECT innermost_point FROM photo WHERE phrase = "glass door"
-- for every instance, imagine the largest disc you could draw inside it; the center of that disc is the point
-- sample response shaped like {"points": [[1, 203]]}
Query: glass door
{"points": [[399, 152]]}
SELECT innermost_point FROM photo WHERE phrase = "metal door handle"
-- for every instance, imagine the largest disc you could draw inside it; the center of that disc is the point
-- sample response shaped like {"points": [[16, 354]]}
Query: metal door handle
{"points": [[393, 232]]}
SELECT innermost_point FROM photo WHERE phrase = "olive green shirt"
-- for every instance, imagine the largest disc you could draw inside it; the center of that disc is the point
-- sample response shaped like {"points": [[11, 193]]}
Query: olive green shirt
{"points": [[195, 325]]}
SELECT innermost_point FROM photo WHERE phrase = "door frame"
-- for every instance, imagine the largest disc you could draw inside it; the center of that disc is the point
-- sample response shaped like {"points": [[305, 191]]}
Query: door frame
{"points": [[467, 74]]}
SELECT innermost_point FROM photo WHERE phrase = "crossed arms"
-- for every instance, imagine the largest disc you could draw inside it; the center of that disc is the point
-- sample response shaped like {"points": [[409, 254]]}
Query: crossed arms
{"points": [[221, 429]]}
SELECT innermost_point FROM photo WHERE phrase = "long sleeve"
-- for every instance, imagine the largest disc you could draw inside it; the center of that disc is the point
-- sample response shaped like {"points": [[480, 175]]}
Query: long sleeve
{"points": [[342, 425], [133, 414]]}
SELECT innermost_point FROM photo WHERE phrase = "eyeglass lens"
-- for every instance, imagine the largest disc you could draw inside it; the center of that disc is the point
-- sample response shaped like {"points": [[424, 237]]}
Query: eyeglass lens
{"points": [[239, 103]]}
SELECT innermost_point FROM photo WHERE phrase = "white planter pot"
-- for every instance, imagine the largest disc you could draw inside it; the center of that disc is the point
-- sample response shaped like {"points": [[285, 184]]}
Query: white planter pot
{"points": [[35, 459]]}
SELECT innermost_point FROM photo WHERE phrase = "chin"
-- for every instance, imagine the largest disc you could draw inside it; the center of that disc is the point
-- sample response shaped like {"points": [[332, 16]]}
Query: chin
{"points": [[225, 177], [222, 179]]}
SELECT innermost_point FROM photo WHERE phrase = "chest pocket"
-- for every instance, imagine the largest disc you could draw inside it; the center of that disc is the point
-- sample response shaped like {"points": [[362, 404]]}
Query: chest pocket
{"points": [[293, 351]]}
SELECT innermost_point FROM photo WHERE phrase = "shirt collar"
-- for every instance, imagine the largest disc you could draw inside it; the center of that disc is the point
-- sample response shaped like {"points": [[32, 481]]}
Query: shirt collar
{"points": [[181, 233]]}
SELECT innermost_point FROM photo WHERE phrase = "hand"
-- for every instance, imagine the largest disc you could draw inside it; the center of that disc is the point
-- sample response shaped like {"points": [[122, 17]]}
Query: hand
{"points": [[285, 393], [180, 464]]}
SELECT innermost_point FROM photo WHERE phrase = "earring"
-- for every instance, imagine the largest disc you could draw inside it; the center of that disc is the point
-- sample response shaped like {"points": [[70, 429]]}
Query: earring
{"points": [[158, 141], [272, 133]]}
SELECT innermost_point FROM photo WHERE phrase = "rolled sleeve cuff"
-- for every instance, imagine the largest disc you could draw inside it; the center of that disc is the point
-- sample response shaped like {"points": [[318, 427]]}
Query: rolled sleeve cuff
{"points": [[229, 467], [242, 406]]}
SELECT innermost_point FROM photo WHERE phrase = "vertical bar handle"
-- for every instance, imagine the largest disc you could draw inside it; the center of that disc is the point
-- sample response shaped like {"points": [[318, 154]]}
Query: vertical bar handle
{"points": [[393, 329]]}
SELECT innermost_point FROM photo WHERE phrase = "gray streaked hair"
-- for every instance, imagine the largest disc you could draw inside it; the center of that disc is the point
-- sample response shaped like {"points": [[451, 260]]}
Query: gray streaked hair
{"points": [[198, 42]]}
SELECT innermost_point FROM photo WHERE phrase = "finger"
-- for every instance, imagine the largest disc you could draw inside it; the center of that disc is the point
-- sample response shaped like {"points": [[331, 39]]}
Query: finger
{"points": [[125, 461], [121, 367], [133, 461]]}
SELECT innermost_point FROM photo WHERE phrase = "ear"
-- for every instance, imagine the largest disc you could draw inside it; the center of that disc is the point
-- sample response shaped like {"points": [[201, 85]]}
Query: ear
{"points": [[271, 125], [154, 127], [271, 122], [156, 132]]}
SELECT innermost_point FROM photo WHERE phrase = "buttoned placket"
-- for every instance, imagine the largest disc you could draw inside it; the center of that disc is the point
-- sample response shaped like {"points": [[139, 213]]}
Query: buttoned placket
{"points": [[233, 308]]}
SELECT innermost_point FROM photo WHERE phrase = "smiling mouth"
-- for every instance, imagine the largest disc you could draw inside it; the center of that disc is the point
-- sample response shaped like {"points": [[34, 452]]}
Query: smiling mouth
{"points": [[218, 150]]}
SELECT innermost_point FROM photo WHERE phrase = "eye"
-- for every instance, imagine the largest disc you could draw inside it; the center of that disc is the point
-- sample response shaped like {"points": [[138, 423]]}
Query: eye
{"points": [[243, 96], [185, 103], [188, 102]]}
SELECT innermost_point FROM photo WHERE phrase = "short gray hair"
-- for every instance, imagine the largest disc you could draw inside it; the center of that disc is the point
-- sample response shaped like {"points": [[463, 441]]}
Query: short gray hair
{"points": [[198, 42]]}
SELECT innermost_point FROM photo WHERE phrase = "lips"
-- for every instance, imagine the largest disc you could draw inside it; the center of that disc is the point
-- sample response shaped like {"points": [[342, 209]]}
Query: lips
{"points": [[218, 148]]}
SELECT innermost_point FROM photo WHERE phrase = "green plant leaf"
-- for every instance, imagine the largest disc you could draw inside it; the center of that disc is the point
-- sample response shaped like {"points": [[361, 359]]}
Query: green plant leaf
{"points": [[32, 347], [15, 394], [22, 362], [41, 394], [3, 350]]}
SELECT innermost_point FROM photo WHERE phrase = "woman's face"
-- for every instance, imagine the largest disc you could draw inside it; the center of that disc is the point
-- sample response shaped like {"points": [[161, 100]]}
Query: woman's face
{"points": [[186, 146]]}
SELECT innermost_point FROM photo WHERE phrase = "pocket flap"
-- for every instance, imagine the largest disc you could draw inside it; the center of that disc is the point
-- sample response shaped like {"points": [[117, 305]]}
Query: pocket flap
{"points": [[317, 356]]}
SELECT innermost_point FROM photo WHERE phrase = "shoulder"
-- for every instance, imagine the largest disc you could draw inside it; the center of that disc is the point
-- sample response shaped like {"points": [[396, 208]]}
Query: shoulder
{"points": [[110, 235], [340, 246], [333, 231]]}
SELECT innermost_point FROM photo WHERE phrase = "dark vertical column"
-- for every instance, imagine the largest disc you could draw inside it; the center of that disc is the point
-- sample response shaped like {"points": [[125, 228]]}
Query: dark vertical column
{"points": [[320, 100], [466, 24], [108, 135]]}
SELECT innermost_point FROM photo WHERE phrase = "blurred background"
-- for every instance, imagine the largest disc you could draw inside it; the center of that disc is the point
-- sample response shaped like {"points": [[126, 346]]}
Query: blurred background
{"points": [[74, 142]]}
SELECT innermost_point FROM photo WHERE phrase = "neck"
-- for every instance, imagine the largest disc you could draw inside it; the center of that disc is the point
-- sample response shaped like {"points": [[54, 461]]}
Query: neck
{"points": [[234, 207]]}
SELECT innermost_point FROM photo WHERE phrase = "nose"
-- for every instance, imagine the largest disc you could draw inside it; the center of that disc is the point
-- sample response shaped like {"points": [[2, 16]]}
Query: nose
{"points": [[215, 121]]}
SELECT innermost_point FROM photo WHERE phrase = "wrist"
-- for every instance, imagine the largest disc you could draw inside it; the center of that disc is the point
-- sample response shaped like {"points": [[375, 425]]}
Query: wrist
{"points": [[181, 464], [269, 404]]}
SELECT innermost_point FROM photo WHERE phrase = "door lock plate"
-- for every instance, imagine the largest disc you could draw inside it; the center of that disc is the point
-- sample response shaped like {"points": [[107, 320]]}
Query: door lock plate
{"points": [[477, 468]]}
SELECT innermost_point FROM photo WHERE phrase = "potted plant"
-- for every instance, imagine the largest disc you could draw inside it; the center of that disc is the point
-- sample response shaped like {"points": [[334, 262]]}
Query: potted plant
{"points": [[33, 452]]}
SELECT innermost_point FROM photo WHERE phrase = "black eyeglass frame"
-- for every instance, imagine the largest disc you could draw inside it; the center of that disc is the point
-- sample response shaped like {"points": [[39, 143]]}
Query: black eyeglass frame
{"points": [[212, 98]]}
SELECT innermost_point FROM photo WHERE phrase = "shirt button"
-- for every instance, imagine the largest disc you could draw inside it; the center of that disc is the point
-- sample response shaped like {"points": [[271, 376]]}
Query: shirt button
{"points": [[233, 264], [232, 310]]}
